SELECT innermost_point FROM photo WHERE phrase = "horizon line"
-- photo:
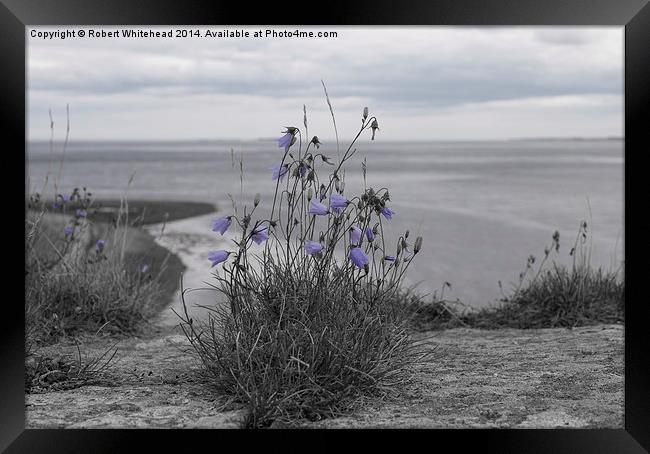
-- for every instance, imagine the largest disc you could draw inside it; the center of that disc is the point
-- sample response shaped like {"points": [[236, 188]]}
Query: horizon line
{"points": [[264, 139]]}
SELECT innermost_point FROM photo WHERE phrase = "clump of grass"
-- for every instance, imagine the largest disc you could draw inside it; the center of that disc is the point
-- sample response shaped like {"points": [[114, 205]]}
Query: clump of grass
{"points": [[76, 282], [560, 296], [552, 296], [310, 324], [433, 312]]}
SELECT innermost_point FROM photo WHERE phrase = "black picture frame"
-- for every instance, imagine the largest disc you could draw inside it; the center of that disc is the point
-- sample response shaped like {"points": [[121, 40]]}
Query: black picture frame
{"points": [[634, 15]]}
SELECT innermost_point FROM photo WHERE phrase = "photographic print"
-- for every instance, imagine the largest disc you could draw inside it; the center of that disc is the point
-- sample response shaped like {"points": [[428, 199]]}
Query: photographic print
{"points": [[324, 227]]}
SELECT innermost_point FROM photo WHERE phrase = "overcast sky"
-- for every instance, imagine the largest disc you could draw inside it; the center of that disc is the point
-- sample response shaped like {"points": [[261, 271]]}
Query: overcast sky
{"points": [[436, 83]]}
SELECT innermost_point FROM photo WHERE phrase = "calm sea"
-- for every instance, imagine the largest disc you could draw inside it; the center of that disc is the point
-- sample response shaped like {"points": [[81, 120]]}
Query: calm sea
{"points": [[481, 207]]}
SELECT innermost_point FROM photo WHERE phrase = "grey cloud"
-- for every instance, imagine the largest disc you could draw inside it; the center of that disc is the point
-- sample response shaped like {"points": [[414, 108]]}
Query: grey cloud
{"points": [[409, 71]]}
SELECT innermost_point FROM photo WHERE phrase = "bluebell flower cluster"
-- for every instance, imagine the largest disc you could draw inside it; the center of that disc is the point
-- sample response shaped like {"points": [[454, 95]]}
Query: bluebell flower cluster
{"points": [[315, 215]]}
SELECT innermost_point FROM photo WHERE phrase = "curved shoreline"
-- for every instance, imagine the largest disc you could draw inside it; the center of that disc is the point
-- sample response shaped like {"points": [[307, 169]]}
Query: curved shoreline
{"points": [[154, 218], [190, 240]]}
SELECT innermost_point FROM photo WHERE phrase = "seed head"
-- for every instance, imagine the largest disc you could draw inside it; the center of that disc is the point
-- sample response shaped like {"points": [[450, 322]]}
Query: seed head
{"points": [[418, 245]]}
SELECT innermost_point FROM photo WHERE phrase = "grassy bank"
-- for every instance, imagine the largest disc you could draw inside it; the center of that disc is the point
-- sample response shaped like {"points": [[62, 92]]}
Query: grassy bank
{"points": [[84, 277], [98, 268]]}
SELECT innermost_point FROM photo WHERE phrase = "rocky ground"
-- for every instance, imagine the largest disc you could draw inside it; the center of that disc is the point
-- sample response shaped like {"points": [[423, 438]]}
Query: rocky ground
{"points": [[477, 379]]}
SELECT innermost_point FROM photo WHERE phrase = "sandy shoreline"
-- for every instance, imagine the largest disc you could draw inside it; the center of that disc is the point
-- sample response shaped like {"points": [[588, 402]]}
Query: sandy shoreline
{"points": [[190, 240]]}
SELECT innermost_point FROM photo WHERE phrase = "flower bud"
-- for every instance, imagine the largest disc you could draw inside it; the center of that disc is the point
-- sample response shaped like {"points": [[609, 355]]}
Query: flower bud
{"points": [[315, 141], [310, 194], [256, 201], [375, 127], [365, 113]]}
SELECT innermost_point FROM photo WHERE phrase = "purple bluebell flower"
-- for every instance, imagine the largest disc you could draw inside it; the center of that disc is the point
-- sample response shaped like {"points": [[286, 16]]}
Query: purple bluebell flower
{"points": [[358, 257], [68, 231], [355, 235], [66, 197], [260, 234], [220, 225], [81, 213], [370, 234], [317, 208], [100, 245], [387, 212], [57, 205], [144, 268], [216, 257], [288, 139], [389, 258], [312, 247], [338, 203], [302, 169], [279, 171]]}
